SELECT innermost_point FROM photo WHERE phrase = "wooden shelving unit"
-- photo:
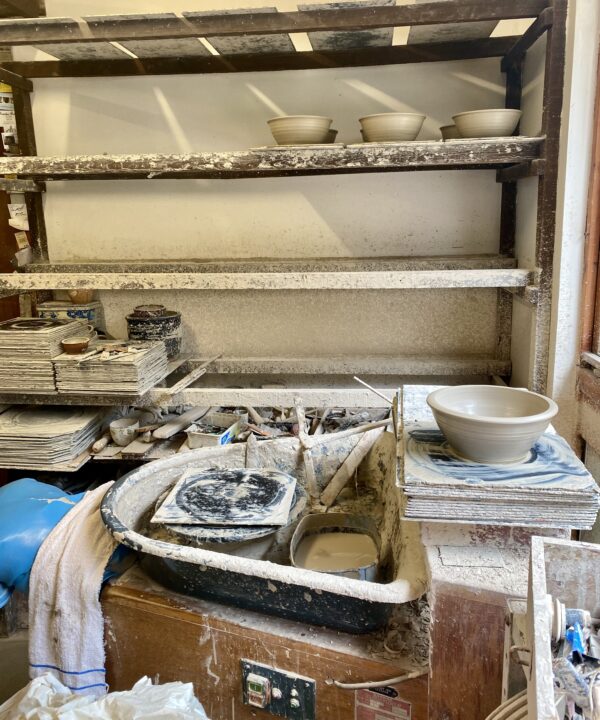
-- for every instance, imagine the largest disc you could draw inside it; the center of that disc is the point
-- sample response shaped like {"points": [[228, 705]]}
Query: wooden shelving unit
{"points": [[259, 41]]}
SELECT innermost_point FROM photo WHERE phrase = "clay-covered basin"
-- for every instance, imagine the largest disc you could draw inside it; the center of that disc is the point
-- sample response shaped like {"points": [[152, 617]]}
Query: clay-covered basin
{"points": [[491, 423], [272, 584]]}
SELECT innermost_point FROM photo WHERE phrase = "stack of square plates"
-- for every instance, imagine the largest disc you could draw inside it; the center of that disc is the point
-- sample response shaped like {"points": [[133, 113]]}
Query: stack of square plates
{"points": [[549, 488], [130, 368], [41, 438], [27, 346]]}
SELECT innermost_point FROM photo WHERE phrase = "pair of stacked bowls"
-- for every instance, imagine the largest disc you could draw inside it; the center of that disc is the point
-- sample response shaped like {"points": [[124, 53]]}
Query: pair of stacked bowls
{"points": [[302, 130], [500, 122]]}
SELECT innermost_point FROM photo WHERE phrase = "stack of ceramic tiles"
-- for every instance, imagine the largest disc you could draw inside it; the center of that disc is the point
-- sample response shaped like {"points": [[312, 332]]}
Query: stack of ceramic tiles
{"points": [[123, 368], [549, 488], [27, 346], [40, 438]]}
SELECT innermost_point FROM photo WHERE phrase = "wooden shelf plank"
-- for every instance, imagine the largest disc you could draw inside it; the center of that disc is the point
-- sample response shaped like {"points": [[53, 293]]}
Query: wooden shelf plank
{"points": [[182, 65], [279, 265], [352, 280], [323, 382], [281, 161], [127, 27]]}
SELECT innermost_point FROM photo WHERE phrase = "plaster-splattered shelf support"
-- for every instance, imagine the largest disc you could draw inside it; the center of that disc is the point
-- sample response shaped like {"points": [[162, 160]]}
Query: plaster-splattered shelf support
{"points": [[272, 162], [371, 280]]}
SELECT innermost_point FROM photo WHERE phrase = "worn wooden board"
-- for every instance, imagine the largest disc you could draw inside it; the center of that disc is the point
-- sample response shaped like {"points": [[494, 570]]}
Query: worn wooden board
{"points": [[163, 47], [248, 43], [180, 63], [450, 31], [478, 153], [349, 39], [82, 51], [467, 637], [69, 30], [151, 631]]}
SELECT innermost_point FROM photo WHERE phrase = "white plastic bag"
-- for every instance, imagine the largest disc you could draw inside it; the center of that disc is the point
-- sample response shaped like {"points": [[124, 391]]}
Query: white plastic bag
{"points": [[45, 698]]}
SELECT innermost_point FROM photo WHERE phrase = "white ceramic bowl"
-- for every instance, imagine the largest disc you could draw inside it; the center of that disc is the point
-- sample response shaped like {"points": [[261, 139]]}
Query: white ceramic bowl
{"points": [[450, 132], [391, 127], [487, 123], [491, 423], [300, 129]]}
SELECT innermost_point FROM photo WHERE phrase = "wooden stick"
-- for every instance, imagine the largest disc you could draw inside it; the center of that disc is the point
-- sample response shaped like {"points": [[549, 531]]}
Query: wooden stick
{"points": [[257, 419], [320, 429], [311, 478], [372, 389], [101, 443], [192, 376], [172, 428], [348, 467], [312, 440]]}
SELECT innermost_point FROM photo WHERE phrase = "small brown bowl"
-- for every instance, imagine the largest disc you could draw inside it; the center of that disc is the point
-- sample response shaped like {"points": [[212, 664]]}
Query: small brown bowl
{"points": [[75, 345]]}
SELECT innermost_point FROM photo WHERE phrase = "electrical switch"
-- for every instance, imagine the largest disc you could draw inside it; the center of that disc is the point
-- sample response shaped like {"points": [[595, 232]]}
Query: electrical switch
{"points": [[278, 692], [259, 690]]}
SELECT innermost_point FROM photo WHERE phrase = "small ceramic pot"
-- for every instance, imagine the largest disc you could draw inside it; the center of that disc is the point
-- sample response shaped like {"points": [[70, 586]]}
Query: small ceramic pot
{"points": [[80, 297], [165, 327], [331, 136], [75, 344], [124, 430]]}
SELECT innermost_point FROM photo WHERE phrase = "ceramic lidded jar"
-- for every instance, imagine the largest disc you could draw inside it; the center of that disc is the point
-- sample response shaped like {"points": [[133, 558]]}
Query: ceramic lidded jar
{"points": [[154, 322]]}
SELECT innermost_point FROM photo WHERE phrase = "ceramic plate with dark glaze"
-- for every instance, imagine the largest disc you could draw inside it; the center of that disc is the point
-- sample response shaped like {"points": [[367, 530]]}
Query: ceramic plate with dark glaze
{"points": [[229, 497]]}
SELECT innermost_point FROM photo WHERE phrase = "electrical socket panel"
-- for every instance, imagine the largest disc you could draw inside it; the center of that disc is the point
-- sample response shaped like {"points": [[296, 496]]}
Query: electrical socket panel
{"points": [[278, 692]]}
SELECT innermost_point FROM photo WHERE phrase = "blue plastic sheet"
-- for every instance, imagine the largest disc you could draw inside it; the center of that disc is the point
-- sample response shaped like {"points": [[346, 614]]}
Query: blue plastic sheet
{"points": [[29, 510]]}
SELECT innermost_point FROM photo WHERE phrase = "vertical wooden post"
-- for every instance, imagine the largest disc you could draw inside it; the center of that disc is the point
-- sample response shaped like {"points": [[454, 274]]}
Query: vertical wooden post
{"points": [[33, 201], [547, 191], [508, 222]]}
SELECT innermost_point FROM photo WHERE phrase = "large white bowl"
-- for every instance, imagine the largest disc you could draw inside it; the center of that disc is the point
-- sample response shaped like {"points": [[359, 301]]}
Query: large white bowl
{"points": [[491, 423], [391, 127], [300, 129], [487, 123]]}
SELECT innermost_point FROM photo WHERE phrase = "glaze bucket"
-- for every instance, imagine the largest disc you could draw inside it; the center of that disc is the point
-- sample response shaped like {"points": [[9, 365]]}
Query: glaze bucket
{"points": [[338, 523]]}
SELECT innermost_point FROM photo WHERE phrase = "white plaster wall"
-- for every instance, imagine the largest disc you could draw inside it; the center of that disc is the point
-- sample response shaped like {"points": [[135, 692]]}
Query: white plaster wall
{"points": [[370, 215], [308, 324], [379, 214]]}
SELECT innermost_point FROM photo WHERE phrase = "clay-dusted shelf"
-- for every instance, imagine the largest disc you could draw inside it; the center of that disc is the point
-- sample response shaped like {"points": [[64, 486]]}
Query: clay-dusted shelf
{"points": [[488, 153], [302, 280], [322, 382]]}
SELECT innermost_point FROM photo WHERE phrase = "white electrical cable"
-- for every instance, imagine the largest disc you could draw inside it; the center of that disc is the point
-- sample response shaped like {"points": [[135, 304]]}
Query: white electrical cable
{"points": [[378, 683]]}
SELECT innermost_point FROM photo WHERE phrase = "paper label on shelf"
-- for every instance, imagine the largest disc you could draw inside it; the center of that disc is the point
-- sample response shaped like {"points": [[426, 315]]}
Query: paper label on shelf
{"points": [[22, 241], [17, 210], [381, 704]]}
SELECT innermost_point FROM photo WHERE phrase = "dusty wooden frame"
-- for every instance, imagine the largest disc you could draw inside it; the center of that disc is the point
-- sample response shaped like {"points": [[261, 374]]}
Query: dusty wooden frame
{"points": [[550, 19]]}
